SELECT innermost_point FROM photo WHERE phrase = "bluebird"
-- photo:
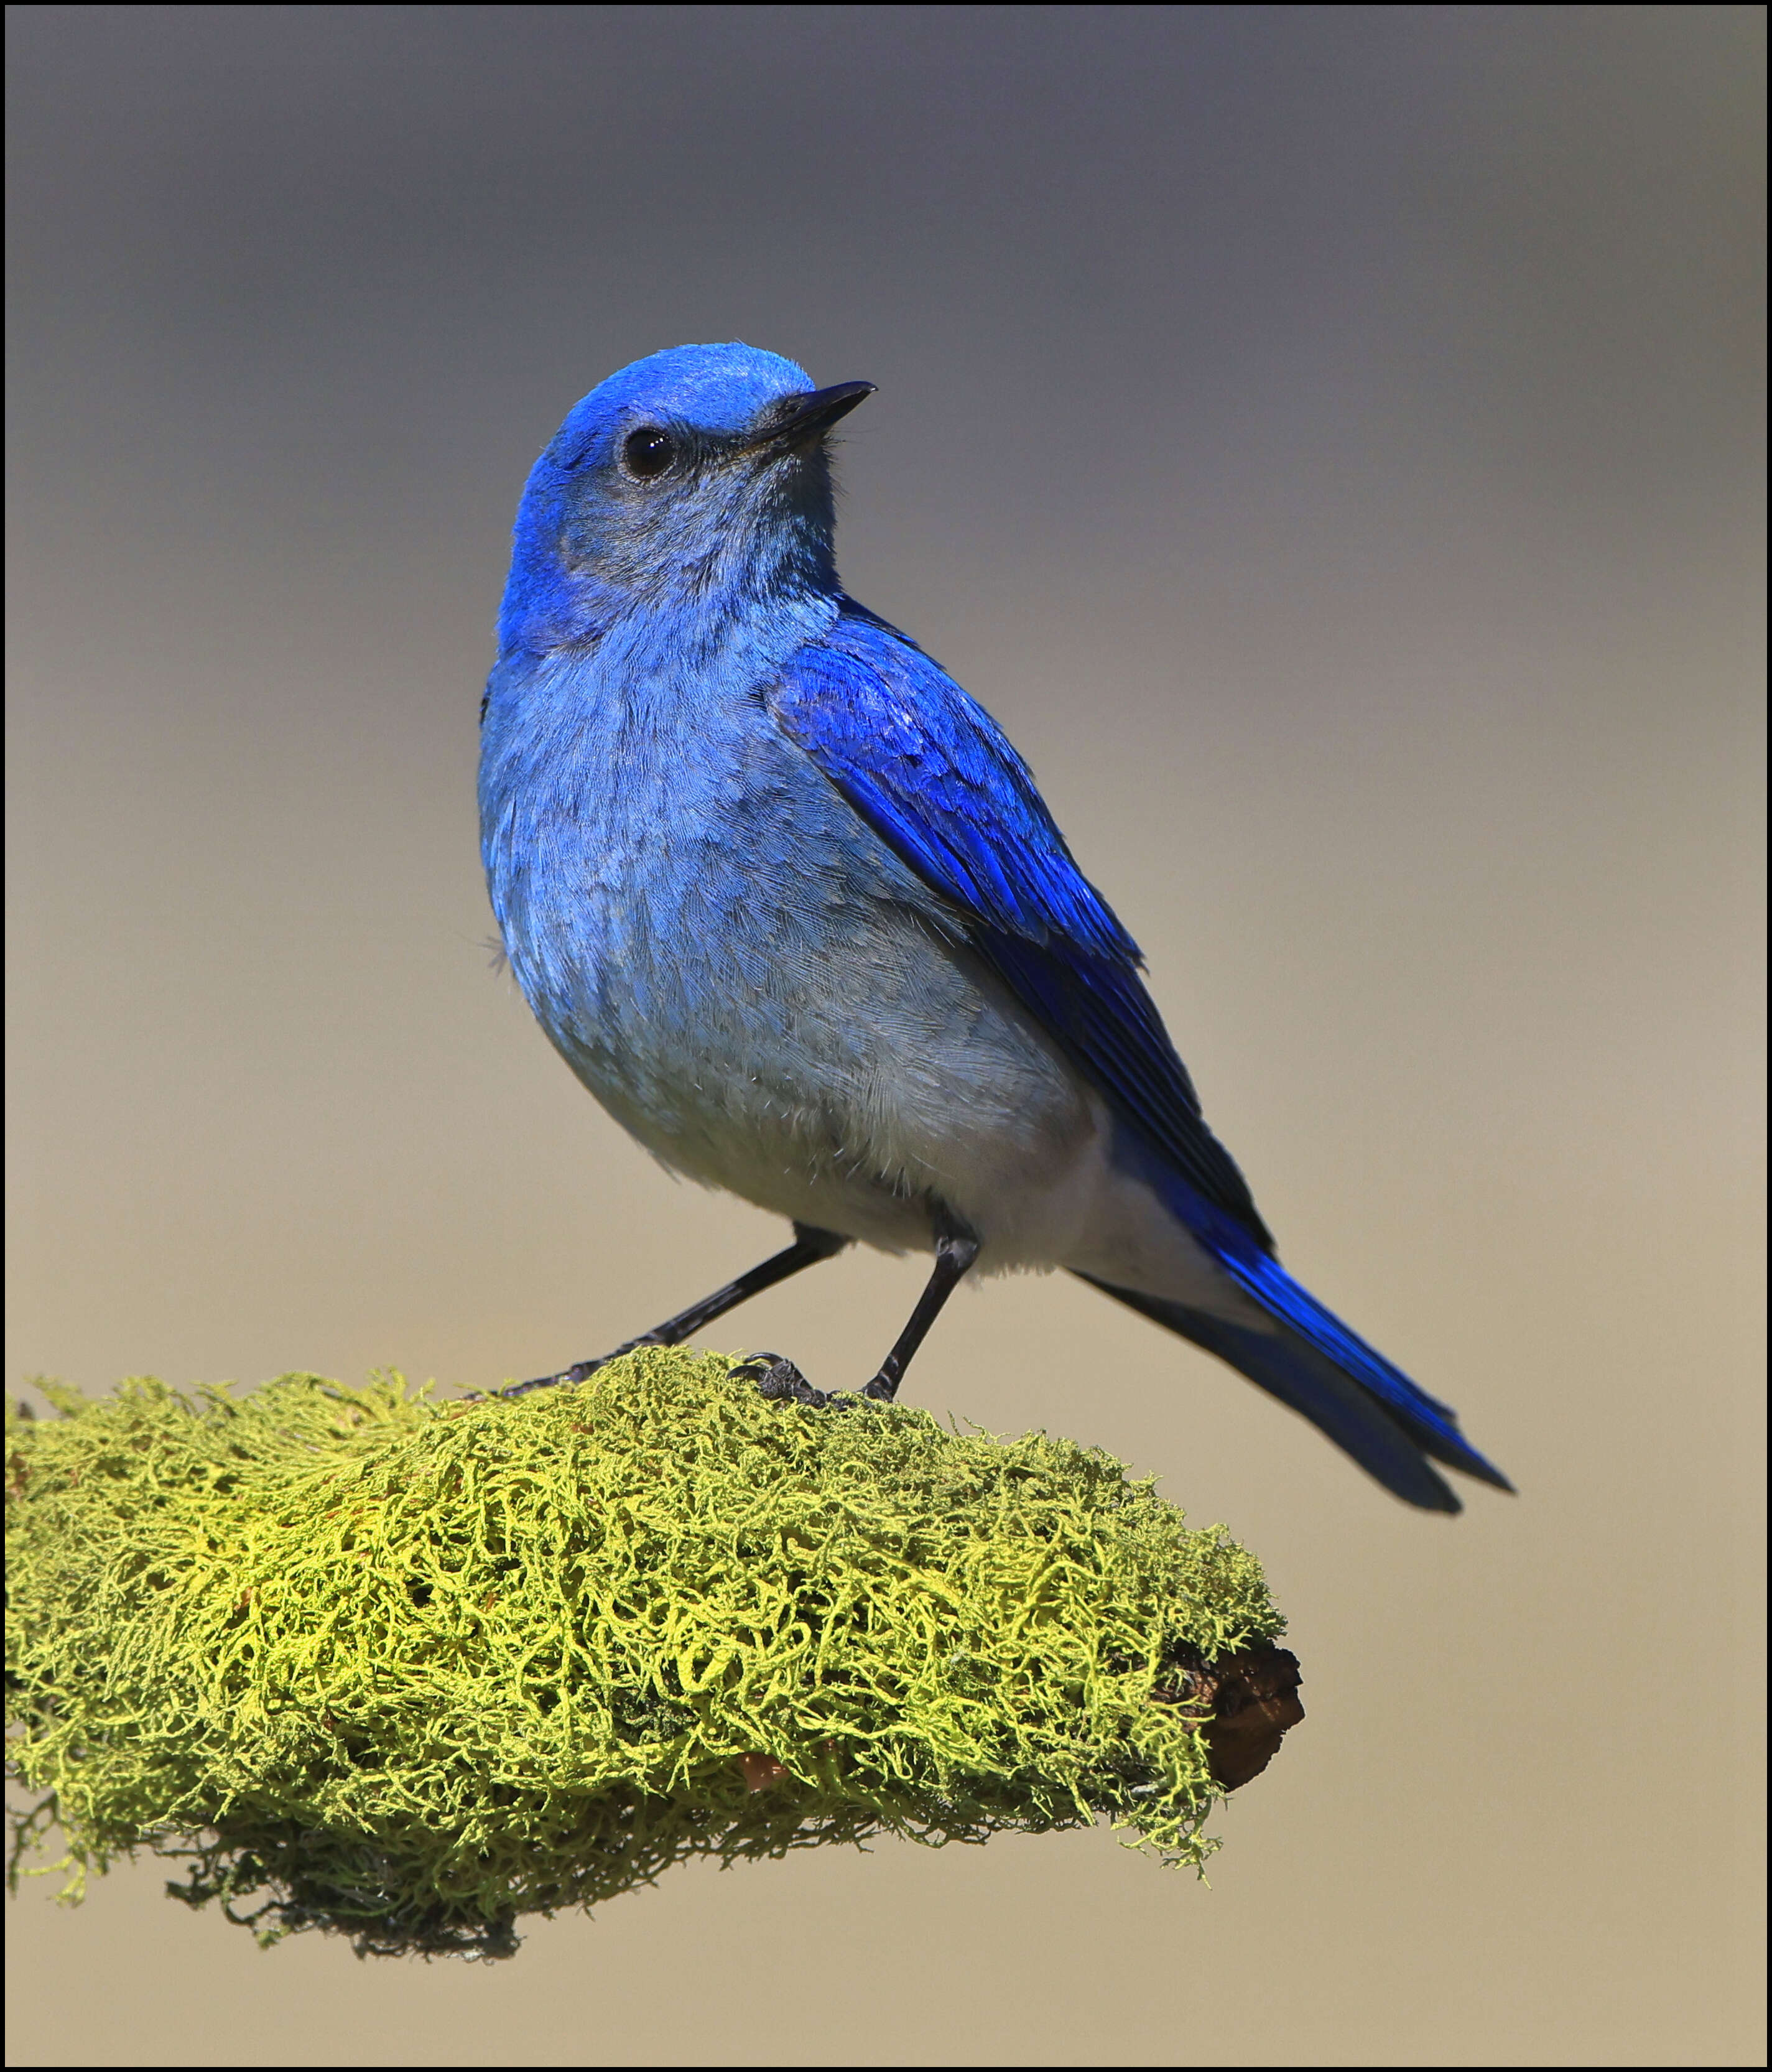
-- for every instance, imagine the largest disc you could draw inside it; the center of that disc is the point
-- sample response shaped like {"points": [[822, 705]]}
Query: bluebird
{"points": [[790, 906]]}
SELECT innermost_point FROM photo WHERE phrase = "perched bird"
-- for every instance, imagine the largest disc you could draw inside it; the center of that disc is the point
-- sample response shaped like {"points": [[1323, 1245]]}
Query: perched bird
{"points": [[790, 905]]}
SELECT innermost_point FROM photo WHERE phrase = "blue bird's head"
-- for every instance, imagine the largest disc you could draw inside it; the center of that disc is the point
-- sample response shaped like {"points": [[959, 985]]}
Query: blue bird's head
{"points": [[691, 482]]}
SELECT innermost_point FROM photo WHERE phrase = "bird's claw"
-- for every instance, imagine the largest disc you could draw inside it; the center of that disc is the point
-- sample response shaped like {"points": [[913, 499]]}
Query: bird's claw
{"points": [[778, 1380]]}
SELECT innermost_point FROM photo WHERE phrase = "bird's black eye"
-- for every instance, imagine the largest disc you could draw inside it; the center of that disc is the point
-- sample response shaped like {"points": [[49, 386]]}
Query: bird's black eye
{"points": [[648, 452]]}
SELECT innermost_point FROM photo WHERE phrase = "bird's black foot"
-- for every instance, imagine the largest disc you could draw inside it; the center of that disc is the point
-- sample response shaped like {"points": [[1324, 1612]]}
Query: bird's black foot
{"points": [[780, 1381], [582, 1371]]}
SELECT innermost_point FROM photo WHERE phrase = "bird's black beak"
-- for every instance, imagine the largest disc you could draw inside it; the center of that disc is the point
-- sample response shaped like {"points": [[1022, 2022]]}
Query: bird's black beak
{"points": [[792, 420]]}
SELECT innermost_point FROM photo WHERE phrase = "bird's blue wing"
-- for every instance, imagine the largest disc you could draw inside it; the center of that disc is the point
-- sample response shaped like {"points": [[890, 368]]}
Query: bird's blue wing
{"points": [[933, 774], [930, 772]]}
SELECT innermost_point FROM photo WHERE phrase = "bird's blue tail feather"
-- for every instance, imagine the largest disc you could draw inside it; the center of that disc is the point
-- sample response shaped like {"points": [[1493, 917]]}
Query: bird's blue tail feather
{"points": [[1314, 1364], [1432, 1424], [1300, 1377]]}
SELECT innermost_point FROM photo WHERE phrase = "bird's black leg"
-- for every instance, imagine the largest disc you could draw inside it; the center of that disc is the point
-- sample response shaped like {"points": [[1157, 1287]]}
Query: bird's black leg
{"points": [[810, 1245], [955, 1249]]}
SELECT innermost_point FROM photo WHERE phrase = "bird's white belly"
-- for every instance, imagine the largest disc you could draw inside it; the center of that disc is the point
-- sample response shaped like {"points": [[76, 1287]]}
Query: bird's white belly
{"points": [[965, 1102], [864, 1115]]}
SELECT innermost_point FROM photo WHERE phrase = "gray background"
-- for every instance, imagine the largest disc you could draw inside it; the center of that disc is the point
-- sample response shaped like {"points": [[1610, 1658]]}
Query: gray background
{"points": [[1328, 440]]}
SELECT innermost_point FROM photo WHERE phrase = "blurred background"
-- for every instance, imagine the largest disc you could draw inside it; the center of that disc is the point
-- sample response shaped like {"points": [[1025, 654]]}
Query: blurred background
{"points": [[1328, 440]]}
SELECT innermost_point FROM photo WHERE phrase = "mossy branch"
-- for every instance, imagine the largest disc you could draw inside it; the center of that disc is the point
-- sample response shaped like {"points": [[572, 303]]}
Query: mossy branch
{"points": [[408, 1669]]}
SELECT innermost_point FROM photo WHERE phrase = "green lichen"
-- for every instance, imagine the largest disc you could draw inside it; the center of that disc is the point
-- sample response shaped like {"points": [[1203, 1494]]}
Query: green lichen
{"points": [[408, 1669]]}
